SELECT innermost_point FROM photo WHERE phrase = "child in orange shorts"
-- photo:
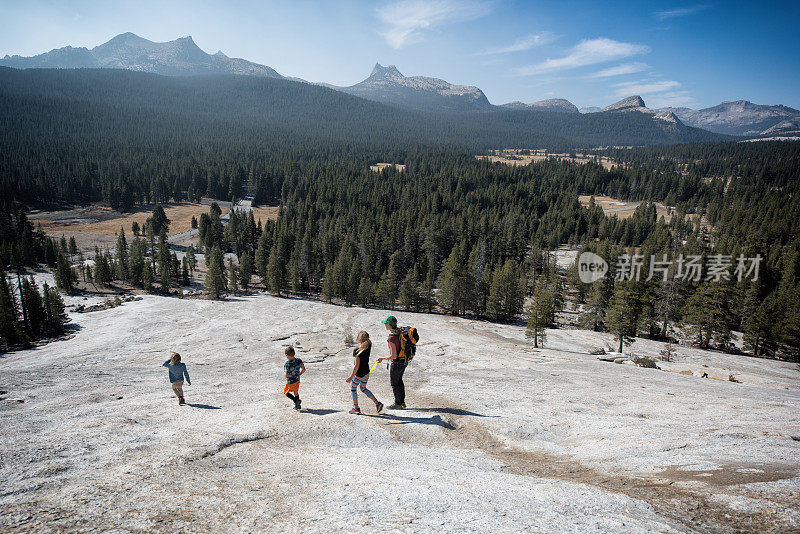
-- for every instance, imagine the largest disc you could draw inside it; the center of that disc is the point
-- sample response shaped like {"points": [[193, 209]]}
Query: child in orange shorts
{"points": [[293, 368]]}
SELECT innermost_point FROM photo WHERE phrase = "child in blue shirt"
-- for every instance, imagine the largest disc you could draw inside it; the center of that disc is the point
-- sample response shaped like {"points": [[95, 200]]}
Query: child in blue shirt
{"points": [[177, 371]]}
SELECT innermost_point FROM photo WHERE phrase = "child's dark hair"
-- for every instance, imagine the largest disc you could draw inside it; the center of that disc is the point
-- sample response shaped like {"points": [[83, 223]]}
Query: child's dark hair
{"points": [[175, 358], [289, 351]]}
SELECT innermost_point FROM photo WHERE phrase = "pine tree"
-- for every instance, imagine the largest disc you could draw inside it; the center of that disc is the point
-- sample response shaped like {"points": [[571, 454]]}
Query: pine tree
{"points": [[276, 273], [147, 277], [707, 314], [102, 270], [10, 333], [54, 311], [245, 271], [622, 317], [215, 281], [540, 312], [760, 326], [594, 311], [158, 221], [454, 287], [506, 296], [410, 291], [191, 258], [365, 294], [328, 284], [262, 258], [34, 307], [385, 295], [164, 264], [64, 275], [427, 298], [185, 280], [137, 262], [122, 256], [233, 277]]}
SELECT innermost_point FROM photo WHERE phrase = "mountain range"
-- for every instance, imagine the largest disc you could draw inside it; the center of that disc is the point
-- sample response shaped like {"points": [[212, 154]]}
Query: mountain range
{"points": [[129, 51], [387, 85]]}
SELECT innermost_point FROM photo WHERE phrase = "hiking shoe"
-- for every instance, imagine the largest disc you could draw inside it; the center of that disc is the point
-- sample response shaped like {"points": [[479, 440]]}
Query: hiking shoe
{"points": [[297, 404], [355, 410], [181, 401], [396, 406], [378, 407]]}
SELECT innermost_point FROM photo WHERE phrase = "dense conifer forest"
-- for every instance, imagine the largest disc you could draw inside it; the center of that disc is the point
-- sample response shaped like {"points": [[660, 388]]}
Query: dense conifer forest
{"points": [[130, 138]]}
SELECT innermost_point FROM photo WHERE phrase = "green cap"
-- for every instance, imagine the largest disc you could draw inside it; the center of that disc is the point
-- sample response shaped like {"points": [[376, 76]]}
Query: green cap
{"points": [[390, 320]]}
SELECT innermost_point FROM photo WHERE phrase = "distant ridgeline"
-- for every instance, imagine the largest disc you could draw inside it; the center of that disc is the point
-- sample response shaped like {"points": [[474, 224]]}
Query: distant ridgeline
{"points": [[127, 137]]}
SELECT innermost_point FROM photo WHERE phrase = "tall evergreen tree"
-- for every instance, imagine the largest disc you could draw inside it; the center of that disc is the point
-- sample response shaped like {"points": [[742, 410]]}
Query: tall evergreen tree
{"points": [[64, 275], [622, 317], [215, 281], [10, 333], [276, 272], [506, 296], [707, 314], [245, 271], [233, 277], [540, 312], [164, 264], [122, 255]]}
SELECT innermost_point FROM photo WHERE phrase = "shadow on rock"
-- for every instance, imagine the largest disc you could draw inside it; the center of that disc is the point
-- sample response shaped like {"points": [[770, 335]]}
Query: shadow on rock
{"points": [[451, 411], [318, 411], [436, 420], [203, 406]]}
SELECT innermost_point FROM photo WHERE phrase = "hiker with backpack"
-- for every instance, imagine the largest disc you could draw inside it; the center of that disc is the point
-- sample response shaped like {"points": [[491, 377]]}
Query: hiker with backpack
{"points": [[402, 346]]}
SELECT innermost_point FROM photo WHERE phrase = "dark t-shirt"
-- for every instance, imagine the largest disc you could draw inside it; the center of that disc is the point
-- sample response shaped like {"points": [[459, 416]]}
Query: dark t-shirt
{"points": [[363, 361], [293, 368]]}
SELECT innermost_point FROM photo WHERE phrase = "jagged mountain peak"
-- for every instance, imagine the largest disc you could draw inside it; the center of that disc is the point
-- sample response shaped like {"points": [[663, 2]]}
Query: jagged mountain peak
{"points": [[390, 71], [389, 85], [628, 103]]}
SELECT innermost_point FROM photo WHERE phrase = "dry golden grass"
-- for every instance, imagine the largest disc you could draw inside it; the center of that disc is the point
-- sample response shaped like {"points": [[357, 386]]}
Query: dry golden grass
{"points": [[264, 213], [109, 221], [513, 157], [524, 159], [378, 167], [624, 209]]}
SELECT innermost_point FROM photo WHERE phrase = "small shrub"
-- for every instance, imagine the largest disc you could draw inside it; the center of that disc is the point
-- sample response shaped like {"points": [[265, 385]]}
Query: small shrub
{"points": [[348, 338], [732, 378], [645, 361], [667, 353]]}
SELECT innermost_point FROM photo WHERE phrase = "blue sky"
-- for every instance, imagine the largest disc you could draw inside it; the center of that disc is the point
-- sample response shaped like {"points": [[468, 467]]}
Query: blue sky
{"points": [[694, 54]]}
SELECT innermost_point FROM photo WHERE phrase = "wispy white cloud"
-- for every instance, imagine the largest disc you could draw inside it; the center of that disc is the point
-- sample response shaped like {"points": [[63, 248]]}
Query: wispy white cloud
{"points": [[645, 87], [587, 52], [405, 20], [522, 44], [681, 12], [619, 70]]}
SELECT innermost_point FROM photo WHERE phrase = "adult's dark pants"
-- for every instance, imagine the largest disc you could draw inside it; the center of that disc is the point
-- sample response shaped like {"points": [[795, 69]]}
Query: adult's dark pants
{"points": [[396, 371]]}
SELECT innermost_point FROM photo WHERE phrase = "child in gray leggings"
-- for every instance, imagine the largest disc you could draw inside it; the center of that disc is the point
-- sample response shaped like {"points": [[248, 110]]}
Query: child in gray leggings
{"points": [[358, 377]]}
